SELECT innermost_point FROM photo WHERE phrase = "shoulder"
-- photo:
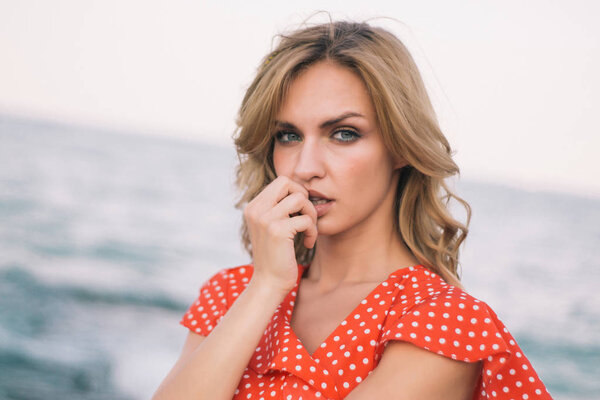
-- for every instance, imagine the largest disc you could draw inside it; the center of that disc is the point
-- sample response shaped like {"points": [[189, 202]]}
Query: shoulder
{"points": [[227, 283], [442, 318], [216, 295], [445, 320], [240, 274], [419, 288]]}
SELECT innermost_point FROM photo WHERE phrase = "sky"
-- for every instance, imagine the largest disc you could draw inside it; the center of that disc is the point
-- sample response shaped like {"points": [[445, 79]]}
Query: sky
{"points": [[515, 84]]}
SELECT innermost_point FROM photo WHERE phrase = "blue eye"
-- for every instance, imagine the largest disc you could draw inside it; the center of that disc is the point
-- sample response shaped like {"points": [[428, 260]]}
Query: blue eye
{"points": [[346, 135], [284, 137]]}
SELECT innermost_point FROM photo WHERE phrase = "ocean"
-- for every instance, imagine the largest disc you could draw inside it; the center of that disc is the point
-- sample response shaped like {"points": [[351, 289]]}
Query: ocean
{"points": [[105, 239]]}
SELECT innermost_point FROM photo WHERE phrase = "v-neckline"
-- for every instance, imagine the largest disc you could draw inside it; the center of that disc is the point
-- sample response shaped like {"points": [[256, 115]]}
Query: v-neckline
{"points": [[362, 302]]}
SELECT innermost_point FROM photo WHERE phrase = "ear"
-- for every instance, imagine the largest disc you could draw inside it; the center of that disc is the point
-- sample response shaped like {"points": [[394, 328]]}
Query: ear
{"points": [[400, 163]]}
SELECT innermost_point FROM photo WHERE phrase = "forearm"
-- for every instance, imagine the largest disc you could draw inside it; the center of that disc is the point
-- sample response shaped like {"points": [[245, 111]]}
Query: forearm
{"points": [[214, 369]]}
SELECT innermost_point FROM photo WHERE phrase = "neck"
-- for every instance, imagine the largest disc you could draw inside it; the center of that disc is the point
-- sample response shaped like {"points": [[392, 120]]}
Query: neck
{"points": [[367, 253]]}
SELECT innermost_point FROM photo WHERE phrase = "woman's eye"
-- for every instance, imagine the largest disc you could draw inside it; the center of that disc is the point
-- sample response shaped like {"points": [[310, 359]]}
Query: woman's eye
{"points": [[283, 136], [346, 135]]}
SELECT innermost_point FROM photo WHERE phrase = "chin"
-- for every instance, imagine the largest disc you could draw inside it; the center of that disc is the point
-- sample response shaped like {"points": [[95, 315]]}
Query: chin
{"points": [[329, 228]]}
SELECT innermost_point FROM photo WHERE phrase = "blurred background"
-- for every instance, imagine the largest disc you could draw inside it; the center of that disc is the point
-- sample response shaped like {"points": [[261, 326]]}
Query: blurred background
{"points": [[116, 174]]}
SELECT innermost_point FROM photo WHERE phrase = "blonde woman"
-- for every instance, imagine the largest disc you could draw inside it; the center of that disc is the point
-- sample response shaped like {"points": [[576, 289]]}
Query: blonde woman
{"points": [[353, 291]]}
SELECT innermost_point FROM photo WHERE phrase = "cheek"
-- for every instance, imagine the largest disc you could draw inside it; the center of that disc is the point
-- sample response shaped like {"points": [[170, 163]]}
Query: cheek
{"points": [[279, 163], [365, 166]]}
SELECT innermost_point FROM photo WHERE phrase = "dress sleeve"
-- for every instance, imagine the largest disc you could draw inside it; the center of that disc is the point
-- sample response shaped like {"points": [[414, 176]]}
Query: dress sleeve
{"points": [[210, 306], [460, 327]]}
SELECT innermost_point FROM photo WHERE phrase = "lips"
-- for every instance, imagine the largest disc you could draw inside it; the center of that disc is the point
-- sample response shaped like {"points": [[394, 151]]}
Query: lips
{"points": [[317, 197]]}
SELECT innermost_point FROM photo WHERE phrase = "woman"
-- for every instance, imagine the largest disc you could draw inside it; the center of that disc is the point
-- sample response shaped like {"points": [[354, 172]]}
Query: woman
{"points": [[353, 291]]}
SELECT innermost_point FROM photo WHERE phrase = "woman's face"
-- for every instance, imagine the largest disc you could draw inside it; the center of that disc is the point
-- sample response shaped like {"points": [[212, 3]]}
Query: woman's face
{"points": [[328, 140]]}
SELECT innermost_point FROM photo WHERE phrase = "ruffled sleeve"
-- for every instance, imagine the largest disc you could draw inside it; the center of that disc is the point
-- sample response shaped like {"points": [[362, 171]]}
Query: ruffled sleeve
{"points": [[454, 324], [210, 306]]}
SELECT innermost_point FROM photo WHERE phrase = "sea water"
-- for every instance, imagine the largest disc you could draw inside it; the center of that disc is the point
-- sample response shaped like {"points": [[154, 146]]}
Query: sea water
{"points": [[105, 239]]}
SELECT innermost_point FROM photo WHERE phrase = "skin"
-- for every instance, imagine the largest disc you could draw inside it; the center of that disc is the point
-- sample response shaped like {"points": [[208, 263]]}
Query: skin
{"points": [[348, 162], [361, 177]]}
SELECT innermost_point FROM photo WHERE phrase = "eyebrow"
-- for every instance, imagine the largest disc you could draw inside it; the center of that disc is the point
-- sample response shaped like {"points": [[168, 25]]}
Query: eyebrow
{"points": [[329, 122]]}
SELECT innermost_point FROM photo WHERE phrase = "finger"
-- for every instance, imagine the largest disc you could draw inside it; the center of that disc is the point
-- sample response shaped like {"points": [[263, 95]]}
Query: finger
{"points": [[304, 223], [282, 187], [293, 204], [274, 192]]}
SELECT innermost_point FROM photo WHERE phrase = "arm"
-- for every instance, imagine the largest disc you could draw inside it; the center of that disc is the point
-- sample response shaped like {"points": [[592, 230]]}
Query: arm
{"points": [[407, 372], [211, 367]]}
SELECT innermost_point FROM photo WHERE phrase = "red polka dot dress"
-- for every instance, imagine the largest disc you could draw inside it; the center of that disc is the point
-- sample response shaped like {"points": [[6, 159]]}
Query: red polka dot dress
{"points": [[412, 305]]}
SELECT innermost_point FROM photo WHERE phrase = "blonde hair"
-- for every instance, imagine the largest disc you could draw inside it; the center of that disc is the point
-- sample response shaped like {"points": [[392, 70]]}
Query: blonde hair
{"points": [[406, 120]]}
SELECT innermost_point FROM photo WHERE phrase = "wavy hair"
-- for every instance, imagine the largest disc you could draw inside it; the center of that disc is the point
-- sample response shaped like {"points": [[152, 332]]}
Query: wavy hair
{"points": [[406, 119]]}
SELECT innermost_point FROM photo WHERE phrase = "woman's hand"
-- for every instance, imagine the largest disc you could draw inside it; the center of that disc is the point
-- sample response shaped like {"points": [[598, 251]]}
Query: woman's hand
{"points": [[274, 217]]}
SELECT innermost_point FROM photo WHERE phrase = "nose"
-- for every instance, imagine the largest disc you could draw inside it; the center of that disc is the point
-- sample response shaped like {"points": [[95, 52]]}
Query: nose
{"points": [[310, 162]]}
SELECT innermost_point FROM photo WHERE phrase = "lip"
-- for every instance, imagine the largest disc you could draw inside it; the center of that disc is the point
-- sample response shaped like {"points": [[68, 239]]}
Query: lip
{"points": [[321, 208], [314, 193]]}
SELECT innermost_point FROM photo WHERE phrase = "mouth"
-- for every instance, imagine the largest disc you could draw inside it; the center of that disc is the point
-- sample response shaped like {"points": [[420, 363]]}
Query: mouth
{"points": [[318, 200]]}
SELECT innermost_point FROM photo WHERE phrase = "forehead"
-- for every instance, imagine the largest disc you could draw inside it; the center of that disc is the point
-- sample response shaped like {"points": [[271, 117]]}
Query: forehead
{"points": [[323, 89]]}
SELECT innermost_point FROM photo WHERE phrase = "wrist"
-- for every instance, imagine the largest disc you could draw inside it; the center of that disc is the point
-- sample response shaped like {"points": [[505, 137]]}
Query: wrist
{"points": [[266, 290]]}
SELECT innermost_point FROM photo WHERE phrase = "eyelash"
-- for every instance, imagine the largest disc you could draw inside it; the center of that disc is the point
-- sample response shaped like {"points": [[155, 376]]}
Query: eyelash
{"points": [[355, 134]]}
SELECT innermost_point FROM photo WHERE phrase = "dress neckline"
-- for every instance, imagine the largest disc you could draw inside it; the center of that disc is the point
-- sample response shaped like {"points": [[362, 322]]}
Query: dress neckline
{"points": [[363, 303]]}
